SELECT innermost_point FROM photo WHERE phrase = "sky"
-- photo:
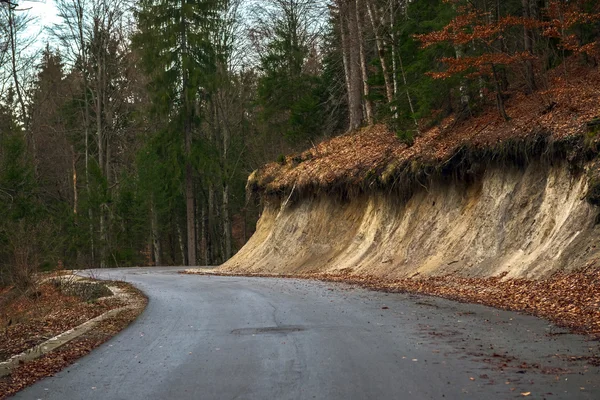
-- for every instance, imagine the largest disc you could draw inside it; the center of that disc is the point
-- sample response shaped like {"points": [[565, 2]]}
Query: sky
{"points": [[46, 14], [43, 9]]}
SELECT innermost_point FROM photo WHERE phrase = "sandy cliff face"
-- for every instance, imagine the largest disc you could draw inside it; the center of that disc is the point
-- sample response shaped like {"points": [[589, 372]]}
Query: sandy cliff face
{"points": [[528, 222]]}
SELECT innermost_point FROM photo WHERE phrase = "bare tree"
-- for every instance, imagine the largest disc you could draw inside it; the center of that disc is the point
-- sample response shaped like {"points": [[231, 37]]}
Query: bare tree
{"points": [[302, 19], [18, 54], [363, 65], [72, 35], [91, 35], [377, 25], [400, 8], [9, 4], [351, 53]]}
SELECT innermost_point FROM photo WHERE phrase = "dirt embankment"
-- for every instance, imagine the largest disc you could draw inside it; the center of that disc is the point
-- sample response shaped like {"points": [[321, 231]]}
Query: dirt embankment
{"points": [[523, 239], [480, 210], [474, 197], [523, 222]]}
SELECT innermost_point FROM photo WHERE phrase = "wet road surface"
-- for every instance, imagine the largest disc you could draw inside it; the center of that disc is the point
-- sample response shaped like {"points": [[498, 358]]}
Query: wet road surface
{"points": [[208, 337]]}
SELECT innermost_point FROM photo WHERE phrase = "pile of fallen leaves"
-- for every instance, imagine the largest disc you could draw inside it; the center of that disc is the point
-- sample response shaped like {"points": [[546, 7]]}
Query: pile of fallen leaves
{"points": [[569, 300], [37, 315], [374, 154], [53, 362]]}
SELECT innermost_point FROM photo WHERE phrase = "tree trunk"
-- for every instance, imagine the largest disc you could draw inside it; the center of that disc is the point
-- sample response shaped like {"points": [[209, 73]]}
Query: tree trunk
{"points": [[74, 175], [190, 217], [203, 233], [100, 144], [13, 49], [355, 75], [155, 234], [345, 56], [99, 139], [499, 95], [181, 245], [226, 223], [189, 178], [102, 243], [211, 224], [227, 246], [86, 120], [528, 42], [375, 23], [363, 68], [402, 72], [394, 63]]}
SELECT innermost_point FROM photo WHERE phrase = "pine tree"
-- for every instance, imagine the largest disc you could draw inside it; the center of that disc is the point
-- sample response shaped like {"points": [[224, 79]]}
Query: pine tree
{"points": [[174, 39], [290, 91], [19, 208]]}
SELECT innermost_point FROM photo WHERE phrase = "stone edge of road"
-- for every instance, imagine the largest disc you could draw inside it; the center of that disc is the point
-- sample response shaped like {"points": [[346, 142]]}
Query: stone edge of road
{"points": [[133, 302]]}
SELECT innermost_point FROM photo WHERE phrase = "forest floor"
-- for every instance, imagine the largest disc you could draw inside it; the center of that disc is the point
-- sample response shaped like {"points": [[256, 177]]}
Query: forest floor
{"points": [[561, 111], [568, 300], [57, 304]]}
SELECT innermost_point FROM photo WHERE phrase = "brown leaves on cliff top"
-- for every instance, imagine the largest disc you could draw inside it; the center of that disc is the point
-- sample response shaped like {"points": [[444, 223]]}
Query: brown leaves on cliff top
{"points": [[350, 157], [361, 157]]}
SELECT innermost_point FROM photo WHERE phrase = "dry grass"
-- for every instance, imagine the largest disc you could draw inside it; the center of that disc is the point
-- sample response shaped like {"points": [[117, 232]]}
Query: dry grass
{"points": [[375, 157]]}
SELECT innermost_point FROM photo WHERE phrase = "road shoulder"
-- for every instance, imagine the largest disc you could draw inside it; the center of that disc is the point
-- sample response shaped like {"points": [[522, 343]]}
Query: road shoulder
{"points": [[570, 300], [58, 327]]}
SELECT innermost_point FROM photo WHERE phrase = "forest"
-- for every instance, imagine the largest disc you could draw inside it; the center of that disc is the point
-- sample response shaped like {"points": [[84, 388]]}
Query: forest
{"points": [[129, 129]]}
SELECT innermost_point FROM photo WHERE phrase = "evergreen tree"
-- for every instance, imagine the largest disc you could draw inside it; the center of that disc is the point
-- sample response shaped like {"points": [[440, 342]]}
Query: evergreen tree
{"points": [[174, 39], [430, 96], [290, 92], [20, 211]]}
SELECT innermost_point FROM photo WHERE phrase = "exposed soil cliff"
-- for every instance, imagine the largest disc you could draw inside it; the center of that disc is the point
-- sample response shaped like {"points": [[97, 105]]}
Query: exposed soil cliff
{"points": [[477, 197], [479, 210], [527, 222]]}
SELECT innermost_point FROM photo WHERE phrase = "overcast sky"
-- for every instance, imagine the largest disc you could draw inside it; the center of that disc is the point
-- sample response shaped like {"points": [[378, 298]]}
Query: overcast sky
{"points": [[45, 12]]}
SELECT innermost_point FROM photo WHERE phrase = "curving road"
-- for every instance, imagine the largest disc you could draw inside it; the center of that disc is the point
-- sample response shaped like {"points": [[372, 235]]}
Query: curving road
{"points": [[207, 337]]}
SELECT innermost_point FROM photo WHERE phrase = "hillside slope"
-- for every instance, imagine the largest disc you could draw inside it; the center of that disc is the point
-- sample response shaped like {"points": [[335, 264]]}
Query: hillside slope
{"points": [[552, 123], [479, 197]]}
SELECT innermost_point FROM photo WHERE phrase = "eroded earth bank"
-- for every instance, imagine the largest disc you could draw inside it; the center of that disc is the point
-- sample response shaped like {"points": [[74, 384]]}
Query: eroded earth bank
{"points": [[525, 223], [480, 210]]}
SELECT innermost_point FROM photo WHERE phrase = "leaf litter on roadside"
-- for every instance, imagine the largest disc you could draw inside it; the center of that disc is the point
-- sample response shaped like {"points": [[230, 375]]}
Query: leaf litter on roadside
{"points": [[49, 364]]}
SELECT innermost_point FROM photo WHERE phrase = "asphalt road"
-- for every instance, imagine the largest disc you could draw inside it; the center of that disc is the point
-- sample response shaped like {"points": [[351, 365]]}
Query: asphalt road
{"points": [[207, 337]]}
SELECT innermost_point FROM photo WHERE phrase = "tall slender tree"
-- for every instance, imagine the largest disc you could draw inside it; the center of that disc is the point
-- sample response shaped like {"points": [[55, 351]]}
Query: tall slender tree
{"points": [[174, 39]]}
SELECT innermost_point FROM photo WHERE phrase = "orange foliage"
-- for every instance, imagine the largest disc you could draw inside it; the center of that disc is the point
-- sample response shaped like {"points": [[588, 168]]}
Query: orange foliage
{"points": [[477, 28], [563, 17], [480, 63]]}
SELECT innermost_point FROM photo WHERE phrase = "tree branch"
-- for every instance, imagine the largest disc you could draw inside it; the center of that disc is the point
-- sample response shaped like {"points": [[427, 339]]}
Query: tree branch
{"points": [[10, 3]]}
